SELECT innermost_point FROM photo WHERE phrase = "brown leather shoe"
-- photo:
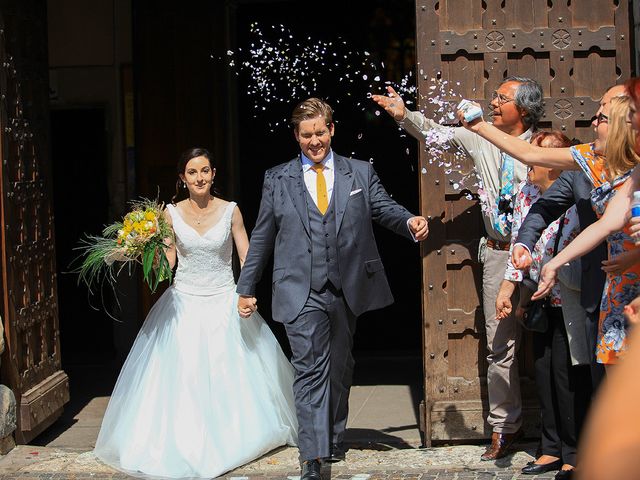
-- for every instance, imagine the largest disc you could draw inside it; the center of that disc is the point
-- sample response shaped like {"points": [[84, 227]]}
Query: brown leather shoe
{"points": [[501, 445]]}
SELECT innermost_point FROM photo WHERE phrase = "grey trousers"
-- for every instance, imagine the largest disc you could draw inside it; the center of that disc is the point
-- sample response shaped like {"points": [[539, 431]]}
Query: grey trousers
{"points": [[321, 340], [503, 341]]}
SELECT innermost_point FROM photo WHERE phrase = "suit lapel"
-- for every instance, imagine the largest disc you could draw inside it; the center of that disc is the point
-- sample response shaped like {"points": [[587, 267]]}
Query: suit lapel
{"points": [[342, 182], [297, 192]]}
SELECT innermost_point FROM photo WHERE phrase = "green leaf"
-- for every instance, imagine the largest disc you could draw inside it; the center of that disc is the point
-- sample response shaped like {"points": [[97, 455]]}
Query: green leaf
{"points": [[147, 262]]}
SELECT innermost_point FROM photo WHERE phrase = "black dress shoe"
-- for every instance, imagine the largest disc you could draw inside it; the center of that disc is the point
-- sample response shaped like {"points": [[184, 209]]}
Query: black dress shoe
{"points": [[564, 475], [533, 468], [310, 470], [338, 453]]}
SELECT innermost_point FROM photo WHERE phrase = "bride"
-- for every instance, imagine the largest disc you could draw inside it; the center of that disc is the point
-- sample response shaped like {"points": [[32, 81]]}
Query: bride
{"points": [[202, 390]]}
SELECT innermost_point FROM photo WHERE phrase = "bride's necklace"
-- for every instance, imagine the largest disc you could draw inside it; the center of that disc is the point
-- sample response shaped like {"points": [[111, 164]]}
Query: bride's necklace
{"points": [[199, 216]]}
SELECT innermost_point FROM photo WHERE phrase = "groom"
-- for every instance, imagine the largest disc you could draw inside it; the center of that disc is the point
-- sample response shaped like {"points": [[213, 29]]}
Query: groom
{"points": [[316, 216]]}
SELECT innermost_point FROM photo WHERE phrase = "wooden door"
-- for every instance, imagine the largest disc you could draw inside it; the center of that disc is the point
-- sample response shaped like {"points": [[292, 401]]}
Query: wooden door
{"points": [[31, 362], [576, 49], [179, 95]]}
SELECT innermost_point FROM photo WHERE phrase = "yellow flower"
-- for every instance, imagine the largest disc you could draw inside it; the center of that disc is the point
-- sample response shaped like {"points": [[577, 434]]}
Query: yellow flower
{"points": [[149, 215]]}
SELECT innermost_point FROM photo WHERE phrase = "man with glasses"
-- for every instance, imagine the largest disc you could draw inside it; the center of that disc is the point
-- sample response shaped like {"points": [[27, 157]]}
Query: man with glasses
{"points": [[516, 109]]}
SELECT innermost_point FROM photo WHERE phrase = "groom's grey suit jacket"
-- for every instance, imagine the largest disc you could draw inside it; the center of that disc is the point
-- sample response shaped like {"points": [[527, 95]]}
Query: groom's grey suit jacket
{"points": [[282, 227]]}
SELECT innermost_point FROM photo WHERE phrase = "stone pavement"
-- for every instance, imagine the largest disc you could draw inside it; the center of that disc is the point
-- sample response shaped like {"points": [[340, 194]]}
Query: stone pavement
{"points": [[384, 441], [373, 462]]}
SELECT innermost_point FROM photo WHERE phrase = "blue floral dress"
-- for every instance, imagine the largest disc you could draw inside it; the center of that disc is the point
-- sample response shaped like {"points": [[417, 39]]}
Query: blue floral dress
{"points": [[619, 290]]}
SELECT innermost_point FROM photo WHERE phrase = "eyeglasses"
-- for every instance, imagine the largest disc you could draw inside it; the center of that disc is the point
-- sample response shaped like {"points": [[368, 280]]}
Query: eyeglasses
{"points": [[500, 98], [601, 118]]}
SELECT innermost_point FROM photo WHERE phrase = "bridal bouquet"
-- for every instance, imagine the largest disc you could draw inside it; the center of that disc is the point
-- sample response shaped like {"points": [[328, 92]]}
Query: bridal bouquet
{"points": [[138, 238]]}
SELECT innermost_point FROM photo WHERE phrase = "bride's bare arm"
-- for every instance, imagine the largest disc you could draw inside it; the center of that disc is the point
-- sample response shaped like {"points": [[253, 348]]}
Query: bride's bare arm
{"points": [[239, 233], [170, 250], [522, 150]]}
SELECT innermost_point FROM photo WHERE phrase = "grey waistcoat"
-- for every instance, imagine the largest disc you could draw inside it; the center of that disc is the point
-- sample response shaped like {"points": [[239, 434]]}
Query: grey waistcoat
{"points": [[324, 250]]}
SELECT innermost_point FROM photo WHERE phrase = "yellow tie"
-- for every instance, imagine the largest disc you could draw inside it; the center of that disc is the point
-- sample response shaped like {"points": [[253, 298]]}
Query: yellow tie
{"points": [[321, 188]]}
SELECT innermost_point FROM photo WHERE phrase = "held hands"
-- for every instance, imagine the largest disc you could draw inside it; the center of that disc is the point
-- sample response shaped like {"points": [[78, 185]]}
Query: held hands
{"points": [[521, 257], [547, 280], [392, 104], [247, 305], [419, 227]]}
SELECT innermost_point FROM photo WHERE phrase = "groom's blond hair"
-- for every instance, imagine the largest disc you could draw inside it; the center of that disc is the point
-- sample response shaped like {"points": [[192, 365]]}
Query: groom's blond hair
{"points": [[311, 108]]}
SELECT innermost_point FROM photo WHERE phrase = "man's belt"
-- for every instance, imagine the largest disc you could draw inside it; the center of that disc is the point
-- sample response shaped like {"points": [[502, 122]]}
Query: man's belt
{"points": [[497, 244]]}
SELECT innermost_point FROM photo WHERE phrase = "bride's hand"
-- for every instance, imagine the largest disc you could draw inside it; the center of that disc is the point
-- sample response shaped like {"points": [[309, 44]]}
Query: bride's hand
{"points": [[247, 305]]}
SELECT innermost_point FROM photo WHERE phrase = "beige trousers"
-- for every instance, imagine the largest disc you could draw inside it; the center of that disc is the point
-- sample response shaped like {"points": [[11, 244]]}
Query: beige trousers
{"points": [[503, 341]]}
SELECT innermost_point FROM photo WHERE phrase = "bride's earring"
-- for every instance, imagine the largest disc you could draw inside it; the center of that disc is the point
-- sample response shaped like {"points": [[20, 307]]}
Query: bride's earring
{"points": [[184, 184]]}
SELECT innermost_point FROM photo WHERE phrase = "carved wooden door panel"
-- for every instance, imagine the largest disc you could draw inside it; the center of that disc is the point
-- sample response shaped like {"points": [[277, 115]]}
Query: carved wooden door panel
{"points": [[575, 49], [31, 363]]}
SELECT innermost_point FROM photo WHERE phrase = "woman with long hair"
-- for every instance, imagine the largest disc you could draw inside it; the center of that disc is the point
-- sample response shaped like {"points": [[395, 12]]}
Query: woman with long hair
{"points": [[623, 270], [202, 391]]}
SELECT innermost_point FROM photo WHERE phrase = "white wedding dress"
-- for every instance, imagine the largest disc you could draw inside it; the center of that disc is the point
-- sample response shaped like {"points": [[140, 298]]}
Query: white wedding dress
{"points": [[202, 391]]}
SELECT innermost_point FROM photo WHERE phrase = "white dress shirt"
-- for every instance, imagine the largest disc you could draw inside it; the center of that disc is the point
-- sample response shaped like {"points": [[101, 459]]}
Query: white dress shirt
{"points": [[310, 176]]}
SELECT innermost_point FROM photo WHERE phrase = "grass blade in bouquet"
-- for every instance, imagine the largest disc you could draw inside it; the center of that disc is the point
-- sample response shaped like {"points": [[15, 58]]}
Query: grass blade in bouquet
{"points": [[141, 238]]}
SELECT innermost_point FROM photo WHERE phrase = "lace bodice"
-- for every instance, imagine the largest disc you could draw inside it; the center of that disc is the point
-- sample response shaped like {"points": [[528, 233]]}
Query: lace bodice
{"points": [[204, 261]]}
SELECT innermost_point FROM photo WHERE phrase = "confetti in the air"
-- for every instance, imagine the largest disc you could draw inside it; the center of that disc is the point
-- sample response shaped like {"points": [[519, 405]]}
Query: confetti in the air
{"points": [[280, 69]]}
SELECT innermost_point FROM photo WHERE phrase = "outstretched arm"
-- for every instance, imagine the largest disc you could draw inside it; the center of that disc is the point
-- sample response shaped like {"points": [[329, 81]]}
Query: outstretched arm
{"points": [[424, 129], [390, 214], [519, 149], [614, 219]]}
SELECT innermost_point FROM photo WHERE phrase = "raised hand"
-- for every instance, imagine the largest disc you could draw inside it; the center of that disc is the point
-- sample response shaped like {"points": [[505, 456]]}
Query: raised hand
{"points": [[473, 125], [419, 227], [246, 306], [392, 103], [521, 257]]}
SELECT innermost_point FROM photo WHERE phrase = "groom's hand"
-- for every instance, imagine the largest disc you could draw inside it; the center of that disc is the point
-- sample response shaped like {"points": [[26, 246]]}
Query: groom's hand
{"points": [[247, 305], [419, 228]]}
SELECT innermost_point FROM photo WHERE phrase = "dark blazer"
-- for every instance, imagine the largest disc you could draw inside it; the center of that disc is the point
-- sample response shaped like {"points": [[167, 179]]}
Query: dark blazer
{"points": [[572, 187], [282, 227]]}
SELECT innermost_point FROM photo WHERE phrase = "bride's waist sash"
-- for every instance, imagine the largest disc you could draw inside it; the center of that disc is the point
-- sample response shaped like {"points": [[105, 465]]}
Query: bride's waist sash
{"points": [[202, 288]]}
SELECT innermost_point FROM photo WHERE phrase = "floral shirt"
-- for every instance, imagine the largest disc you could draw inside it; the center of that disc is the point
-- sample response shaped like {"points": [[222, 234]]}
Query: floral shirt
{"points": [[619, 290], [543, 251]]}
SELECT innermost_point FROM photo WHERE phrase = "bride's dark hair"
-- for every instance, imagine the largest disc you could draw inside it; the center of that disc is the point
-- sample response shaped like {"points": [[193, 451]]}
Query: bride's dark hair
{"points": [[182, 165]]}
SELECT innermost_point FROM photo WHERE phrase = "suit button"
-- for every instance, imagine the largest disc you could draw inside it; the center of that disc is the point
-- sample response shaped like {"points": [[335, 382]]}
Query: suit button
{"points": [[324, 222], [326, 234], [308, 250]]}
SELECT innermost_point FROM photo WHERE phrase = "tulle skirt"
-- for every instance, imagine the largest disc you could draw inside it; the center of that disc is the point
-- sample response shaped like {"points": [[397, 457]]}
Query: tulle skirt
{"points": [[202, 391]]}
